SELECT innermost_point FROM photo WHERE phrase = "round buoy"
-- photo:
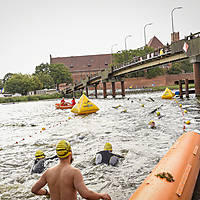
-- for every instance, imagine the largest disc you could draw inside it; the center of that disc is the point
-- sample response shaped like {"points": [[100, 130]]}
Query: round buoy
{"points": [[1, 149], [69, 117], [180, 105], [142, 105], [43, 129], [187, 122], [185, 111], [158, 113]]}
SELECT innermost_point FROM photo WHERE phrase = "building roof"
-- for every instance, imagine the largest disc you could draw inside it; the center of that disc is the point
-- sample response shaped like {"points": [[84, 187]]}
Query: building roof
{"points": [[155, 43], [84, 63]]}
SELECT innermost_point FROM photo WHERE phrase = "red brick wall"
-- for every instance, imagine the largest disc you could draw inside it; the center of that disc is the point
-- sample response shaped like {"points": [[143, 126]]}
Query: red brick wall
{"points": [[141, 82]]}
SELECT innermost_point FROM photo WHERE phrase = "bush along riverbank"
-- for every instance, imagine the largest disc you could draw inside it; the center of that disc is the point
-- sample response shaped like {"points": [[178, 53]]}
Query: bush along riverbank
{"points": [[30, 98], [38, 97]]}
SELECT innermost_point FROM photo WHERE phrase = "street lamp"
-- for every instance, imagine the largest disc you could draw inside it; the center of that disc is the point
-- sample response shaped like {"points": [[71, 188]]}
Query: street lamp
{"points": [[112, 52], [173, 19], [126, 46], [145, 41], [125, 41]]}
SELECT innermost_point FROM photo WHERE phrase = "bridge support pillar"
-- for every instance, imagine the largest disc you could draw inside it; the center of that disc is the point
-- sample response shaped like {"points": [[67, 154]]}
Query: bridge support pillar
{"points": [[196, 69], [113, 89], [95, 91], [104, 90], [86, 89], [180, 89], [123, 88], [186, 88]]}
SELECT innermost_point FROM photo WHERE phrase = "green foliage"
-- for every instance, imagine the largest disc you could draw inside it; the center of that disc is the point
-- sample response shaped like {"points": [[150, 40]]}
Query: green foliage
{"points": [[186, 66], [1, 84], [153, 72], [175, 69], [58, 72], [29, 98], [19, 83], [42, 68], [126, 55], [136, 74], [179, 67], [6, 77], [46, 80]]}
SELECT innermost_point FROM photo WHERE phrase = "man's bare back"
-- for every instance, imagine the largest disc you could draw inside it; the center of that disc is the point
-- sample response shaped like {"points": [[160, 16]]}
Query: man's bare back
{"points": [[64, 181]]}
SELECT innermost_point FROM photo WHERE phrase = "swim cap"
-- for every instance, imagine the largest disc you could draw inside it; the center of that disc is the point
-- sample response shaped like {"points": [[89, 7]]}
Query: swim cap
{"points": [[63, 149], [39, 154], [108, 147]]}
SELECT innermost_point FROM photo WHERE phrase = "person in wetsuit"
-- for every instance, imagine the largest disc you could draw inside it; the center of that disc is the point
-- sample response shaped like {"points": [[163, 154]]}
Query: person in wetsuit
{"points": [[40, 163], [73, 102], [62, 102], [106, 156]]}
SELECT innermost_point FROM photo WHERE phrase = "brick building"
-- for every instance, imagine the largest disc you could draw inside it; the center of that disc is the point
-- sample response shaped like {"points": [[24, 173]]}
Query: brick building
{"points": [[81, 66]]}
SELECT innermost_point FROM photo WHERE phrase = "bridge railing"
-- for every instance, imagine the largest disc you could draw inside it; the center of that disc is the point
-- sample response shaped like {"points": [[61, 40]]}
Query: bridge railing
{"points": [[138, 60], [164, 51]]}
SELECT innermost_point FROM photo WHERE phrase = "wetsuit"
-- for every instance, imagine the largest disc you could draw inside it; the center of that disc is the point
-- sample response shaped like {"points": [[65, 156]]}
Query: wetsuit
{"points": [[107, 157], [40, 164], [62, 102], [73, 102]]}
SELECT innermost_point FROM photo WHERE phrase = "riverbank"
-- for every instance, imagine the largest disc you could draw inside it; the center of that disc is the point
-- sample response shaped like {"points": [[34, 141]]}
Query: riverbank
{"points": [[91, 93], [30, 98]]}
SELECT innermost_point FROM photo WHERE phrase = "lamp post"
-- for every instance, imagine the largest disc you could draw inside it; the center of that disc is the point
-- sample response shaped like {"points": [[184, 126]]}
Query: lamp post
{"points": [[173, 19], [145, 41], [126, 39], [126, 45], [112, 52]]}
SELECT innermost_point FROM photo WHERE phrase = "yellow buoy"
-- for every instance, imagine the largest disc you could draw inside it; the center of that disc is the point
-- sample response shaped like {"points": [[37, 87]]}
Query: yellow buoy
{"points": [[142, 105], [69, 117], [180, 105], [43, 129], [185, 111], [187, 122], [158, 113]]}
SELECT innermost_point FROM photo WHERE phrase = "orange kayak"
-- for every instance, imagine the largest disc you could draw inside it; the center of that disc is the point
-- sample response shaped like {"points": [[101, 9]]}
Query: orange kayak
{"points": [[68, 106], [175, 176]]}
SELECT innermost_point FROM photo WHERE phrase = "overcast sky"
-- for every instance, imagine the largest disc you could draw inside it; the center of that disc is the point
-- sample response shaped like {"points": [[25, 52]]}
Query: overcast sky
{"points": [[31, 30]]}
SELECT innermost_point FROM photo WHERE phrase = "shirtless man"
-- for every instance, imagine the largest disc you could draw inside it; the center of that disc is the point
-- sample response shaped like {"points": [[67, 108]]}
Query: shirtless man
{"points": [[64, 181]]}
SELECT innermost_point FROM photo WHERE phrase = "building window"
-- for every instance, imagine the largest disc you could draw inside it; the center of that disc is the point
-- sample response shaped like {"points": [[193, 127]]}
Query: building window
{"points": [[106, 63], [71, 66], [89, 65]]}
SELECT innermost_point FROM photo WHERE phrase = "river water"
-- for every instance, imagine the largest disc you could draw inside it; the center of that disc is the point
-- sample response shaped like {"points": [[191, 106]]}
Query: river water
{"points": [[125, 127]]}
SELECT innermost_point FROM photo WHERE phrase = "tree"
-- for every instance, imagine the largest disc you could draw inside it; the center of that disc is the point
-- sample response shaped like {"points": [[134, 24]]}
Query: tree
{"points": [[175, 69], [36, 84], [46, 80], [186, 66], [1, 84], [42, 68], [58, 72], [153, 72], [22, 84], [127, 55], [6, 77]]}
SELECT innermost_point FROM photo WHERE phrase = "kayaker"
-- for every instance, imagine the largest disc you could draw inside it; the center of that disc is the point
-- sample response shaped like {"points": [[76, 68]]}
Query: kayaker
{"points": [[73, 102], [64, 181], [41, 163], [106, 156], [62, 102]]}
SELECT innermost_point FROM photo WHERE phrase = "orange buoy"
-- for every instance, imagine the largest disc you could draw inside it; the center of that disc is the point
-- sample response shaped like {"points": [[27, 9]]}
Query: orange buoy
{"points": [[174, 177]]}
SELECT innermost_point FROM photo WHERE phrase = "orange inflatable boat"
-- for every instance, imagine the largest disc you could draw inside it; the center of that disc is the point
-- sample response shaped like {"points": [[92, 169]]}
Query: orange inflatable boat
{"points": [[68, 106], [174, 177]]}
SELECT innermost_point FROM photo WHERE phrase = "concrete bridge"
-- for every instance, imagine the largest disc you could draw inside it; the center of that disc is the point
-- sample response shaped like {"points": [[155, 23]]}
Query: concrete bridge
{"points": [[187, 48]]}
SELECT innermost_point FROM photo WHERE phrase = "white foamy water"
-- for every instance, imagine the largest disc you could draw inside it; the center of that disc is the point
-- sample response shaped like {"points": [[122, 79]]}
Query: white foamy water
{"points": [[126, 128]]}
